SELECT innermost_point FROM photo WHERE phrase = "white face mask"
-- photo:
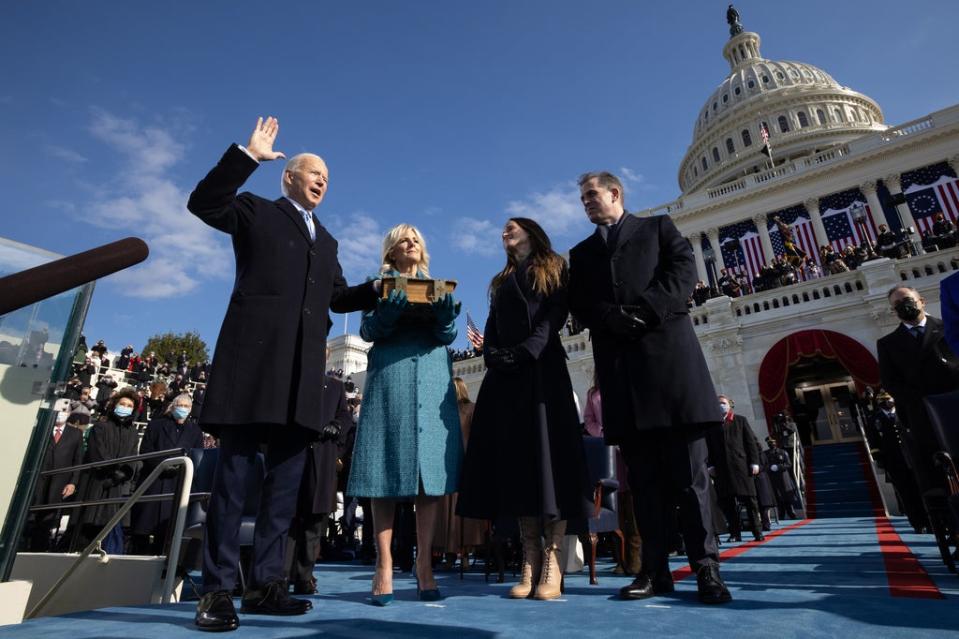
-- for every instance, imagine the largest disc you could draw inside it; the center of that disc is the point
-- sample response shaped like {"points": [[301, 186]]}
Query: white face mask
{"points": [[724, 408]]}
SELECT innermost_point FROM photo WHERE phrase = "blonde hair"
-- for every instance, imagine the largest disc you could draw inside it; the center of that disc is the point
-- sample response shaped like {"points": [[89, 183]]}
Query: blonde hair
{"points": [[393, 238], [462, 393]]}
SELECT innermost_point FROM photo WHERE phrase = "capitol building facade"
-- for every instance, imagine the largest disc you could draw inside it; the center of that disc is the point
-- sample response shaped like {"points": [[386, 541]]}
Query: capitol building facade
{"points": [[834, 173]]}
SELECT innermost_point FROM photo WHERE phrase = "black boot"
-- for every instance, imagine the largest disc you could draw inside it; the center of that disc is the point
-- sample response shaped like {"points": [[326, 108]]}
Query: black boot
{"points": [[647, 585], [215, 612], [712, 590], [273, 598]]}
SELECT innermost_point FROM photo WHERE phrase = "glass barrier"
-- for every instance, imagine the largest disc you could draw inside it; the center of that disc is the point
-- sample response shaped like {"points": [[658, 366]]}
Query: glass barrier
{"points": [[37, 344]]}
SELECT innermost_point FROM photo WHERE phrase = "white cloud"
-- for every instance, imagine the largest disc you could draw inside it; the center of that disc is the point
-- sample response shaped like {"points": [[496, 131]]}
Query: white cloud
{"points": [[65, 154], [558, 210], [476, 237], [360, 240], [635, 180], [144, 201]]}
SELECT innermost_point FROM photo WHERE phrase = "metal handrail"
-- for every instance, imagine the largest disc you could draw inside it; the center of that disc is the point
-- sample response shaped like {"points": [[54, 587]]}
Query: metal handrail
{"points": [[114, 462], [186, 480], [111, 501], [797, 464]]}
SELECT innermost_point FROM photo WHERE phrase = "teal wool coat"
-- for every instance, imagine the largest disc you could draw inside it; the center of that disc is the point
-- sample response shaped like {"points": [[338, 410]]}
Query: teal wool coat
{"points": [[409, 428]]}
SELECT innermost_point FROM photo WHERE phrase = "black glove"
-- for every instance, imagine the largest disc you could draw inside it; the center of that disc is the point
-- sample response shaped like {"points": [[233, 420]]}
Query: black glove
{"points": [[624, 321], [118, 477], [331, 432], [507, 359]]}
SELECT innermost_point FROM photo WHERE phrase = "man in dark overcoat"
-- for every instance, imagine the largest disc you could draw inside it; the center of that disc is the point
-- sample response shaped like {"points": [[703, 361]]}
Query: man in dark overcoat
{"points": [[629, 283], [64, 449], [317, 497], [734, 458], [269, 361], [915, 361], [779, 469]]}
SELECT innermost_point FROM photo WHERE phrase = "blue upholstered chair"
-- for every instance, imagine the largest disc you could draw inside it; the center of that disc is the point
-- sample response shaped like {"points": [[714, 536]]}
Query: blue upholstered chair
{"points": [[601, 463]]}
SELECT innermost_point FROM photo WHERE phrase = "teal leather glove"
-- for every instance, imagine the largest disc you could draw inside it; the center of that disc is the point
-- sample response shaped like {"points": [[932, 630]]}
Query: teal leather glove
{"points": [[389, 310], [445, 310]]}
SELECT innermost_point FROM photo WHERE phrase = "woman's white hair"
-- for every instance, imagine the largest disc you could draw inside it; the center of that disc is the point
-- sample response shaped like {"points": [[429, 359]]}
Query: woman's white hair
{"points": [[393, 238], [180, 397]]}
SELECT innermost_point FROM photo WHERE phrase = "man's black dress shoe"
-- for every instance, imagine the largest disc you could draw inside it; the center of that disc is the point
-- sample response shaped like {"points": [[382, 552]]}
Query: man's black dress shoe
{"points": [[712, 590], [646, 585], [733, 538], [758, 536], [304, 587], [215, 612], [273, 598]]}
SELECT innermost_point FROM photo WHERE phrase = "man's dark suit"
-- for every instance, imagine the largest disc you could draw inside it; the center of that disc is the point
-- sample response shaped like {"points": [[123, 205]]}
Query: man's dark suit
{"points": [[658, 396], [269, 361], [911, 368], [63, 454], [733, 450]]}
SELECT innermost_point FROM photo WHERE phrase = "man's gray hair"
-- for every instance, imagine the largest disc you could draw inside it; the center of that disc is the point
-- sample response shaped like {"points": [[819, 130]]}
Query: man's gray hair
{"points": [[606, 180], [903, 287], [180, 397]]}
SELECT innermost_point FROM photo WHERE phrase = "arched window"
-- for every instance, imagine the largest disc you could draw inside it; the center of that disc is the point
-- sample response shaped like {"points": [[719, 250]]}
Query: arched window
{"points": [[725, 98], [766, 79], [752, 85], [737, 90], [822, 117], [705, 166], [715, 154], [839, 117], [730, 147], [803, 120], [747, 139], [783, 124]]}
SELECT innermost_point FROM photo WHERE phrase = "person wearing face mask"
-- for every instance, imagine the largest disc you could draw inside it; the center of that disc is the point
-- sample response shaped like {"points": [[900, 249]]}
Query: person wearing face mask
{"points": [[64, 449], [525, 458], [173, 429], [734, 454], [915, 361], [112, 437], [884, 434]]}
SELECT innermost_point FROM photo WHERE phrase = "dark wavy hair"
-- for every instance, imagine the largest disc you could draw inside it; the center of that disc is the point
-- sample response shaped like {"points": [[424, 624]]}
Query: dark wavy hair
{"points": [[127, 391], [547, 270]]}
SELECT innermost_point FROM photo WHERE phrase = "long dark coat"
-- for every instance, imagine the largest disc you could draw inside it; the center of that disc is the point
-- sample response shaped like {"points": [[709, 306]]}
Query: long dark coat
{"points": [[110, 438], [525, 454], [63, 454], [732, 450], [270, 356], [318, 488], [161, 434], [781, 479], [661, 379], [911, 369]]}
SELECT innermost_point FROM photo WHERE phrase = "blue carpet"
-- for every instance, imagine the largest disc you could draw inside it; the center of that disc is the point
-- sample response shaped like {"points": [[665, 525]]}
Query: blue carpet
{"points": [[823, 579]]}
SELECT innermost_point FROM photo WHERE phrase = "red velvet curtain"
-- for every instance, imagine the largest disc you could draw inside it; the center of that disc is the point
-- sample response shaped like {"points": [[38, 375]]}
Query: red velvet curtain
{"points": [[852, 355]]}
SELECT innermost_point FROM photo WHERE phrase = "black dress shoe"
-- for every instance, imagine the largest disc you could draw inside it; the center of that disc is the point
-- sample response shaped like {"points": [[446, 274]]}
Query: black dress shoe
{"points": [[712, 590], [646, 585], [273, 598], [304, 588], [215, 612], [758, 536], [733, 538]]}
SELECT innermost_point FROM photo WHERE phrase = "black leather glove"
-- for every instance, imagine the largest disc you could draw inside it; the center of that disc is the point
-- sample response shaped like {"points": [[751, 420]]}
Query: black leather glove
{"points": [[118, 477], [331, 431], [624, 321], [507, 359]]}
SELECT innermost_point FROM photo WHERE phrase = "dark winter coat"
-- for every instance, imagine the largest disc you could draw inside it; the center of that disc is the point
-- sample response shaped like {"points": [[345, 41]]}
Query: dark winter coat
{"points": [[110, 438], [270, 356], [318, 488], [733, 449], [659, 380], [162, 434], [525, 454], [63, 454]]}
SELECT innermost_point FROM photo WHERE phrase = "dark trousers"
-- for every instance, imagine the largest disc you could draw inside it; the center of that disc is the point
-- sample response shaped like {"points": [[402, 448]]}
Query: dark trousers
{"points": [[285, 455], [730, 506], [667, 468], [303, 546]]}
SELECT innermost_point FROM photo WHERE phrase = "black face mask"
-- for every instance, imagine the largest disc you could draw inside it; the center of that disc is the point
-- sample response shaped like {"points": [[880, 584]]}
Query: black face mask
{"points": [[907, 310]]}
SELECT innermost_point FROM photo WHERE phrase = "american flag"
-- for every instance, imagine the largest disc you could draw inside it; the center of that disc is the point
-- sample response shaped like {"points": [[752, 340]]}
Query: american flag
{"points": [[798, 219], [472, 333], [841, 228], [931, 190], [749, 257]]}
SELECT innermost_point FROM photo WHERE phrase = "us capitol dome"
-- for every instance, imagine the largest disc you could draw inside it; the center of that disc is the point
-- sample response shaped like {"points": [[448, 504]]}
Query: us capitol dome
{"points": [[803, 108]]}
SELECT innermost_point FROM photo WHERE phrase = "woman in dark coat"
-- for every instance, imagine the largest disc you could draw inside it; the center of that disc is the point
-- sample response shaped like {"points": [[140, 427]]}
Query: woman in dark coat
{"points": [[525, 456], [173, 429], [112, 437]]}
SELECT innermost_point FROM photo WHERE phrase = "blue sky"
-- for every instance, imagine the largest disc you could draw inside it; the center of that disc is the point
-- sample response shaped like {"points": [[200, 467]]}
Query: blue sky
{"points": [[448, 115]]}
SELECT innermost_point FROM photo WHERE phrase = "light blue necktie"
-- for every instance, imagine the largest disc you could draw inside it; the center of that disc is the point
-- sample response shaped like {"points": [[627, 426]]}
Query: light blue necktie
{"points": [[308, 218]]}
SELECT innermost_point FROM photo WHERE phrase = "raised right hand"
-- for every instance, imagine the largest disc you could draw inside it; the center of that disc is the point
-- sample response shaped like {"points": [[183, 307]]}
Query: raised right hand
{"points": [[261, 141]]}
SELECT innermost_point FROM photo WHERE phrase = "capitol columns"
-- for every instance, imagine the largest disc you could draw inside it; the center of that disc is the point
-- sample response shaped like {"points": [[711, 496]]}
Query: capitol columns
{"points": [[872, 199], [713, 235], [812, 207], [894, 184], [696, 239], [760, 221]]}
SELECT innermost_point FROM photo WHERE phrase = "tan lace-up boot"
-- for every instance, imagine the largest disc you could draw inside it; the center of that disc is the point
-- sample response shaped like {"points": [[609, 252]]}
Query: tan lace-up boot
{"points": [[551, 582], [530, 530]]}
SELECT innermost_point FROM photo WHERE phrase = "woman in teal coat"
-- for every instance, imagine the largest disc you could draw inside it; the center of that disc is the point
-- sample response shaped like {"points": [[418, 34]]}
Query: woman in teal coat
{"points": [[408, 441]]}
